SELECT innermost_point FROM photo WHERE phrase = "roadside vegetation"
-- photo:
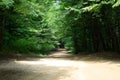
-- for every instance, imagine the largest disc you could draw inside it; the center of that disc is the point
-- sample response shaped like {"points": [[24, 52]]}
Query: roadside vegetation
{"points": [[39, 26]]}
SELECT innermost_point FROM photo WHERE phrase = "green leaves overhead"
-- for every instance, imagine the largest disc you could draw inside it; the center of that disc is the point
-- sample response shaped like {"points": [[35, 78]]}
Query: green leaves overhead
{"points": [[6, 3], [93, 7], [26, 27], [117, 3], [79, 24], [27, 8]]}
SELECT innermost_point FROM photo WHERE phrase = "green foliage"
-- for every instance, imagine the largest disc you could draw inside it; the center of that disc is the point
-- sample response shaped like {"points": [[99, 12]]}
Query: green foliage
{"points": [[20, 45], [92, 25], [27, 7], [25, 27], [41, 25], [117, 3], [69, 43], [6, 3]]}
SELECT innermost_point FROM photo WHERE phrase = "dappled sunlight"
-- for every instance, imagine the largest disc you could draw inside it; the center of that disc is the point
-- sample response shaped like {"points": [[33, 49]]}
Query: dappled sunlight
{"points": [[62, 66], [59, 39], [78, 70], [74, 74], [54, 62], [74, 69], [62, 69]]}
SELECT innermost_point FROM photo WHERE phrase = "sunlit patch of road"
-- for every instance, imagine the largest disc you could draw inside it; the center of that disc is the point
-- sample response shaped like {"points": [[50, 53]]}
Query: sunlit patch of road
{"points": [[59, 69], [54, 62], [80, 70]]}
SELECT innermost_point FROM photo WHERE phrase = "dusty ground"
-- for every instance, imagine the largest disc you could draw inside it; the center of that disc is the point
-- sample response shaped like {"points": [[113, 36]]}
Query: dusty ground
{"points": [[59, 66]]}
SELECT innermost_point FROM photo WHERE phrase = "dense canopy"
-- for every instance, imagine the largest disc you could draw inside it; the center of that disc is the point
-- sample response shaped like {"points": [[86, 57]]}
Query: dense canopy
{"points": [[44, 25]]}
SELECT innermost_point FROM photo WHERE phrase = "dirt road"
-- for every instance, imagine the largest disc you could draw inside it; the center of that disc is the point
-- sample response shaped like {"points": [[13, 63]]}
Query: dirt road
{"points": [[58, 66]]}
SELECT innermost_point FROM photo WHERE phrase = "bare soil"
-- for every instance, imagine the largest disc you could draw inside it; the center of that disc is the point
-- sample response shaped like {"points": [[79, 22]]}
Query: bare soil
{"points": [[59, 66]]}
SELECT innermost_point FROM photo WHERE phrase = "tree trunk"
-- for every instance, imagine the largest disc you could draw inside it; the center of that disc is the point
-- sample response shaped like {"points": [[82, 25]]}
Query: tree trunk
{"points": [[2, 33]]}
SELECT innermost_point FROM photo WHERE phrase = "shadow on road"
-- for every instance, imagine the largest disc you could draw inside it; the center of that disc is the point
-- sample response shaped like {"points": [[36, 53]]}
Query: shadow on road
{"points": [[64, 54], [61, 65]]}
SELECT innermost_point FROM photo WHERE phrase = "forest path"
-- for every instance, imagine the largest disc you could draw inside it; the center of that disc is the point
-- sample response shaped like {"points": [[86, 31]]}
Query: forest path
{"points": [[58, 66]]}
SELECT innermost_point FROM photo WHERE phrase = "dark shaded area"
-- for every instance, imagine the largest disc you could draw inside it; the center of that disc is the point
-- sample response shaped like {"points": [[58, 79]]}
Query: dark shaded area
{"points": [[101, 56], [61, 44], [25, 72], [63, 54], [97, 28], [9, 74]]}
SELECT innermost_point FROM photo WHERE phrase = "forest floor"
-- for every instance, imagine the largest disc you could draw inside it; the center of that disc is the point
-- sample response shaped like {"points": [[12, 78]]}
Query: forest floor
{"points": [[60, 65]]}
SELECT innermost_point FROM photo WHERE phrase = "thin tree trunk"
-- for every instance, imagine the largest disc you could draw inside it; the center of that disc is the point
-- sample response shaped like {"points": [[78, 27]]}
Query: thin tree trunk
{"points": [[2, 33]]}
